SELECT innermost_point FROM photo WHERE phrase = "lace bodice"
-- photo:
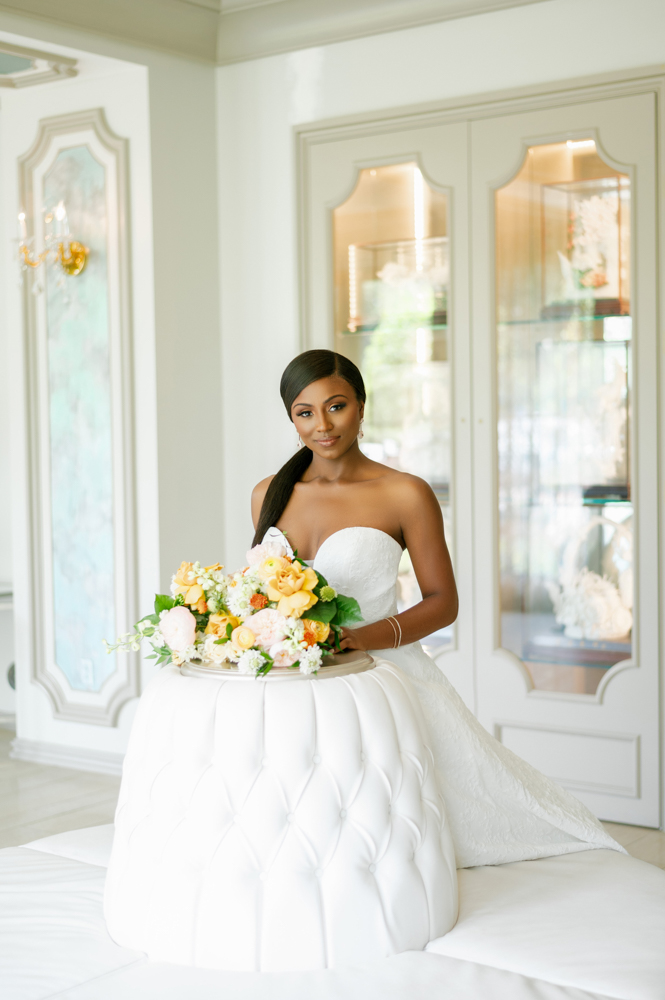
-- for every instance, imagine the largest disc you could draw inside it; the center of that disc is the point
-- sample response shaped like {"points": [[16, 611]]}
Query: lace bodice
{"points": [[363, 563]]}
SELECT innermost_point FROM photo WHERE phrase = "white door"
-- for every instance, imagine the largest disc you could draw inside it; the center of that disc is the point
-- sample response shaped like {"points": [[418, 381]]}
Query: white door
{"points": [[565, 445], [384, 272]]}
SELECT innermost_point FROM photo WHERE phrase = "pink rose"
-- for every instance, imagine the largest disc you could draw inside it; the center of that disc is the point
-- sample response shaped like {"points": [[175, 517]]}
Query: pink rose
{"points": [[268, 626], [178, 626], [282, 656], [256, 555]]}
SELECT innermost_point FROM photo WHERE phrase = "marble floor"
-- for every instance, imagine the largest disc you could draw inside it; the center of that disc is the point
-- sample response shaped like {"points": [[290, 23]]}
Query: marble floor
{"points": [[37, 800]]}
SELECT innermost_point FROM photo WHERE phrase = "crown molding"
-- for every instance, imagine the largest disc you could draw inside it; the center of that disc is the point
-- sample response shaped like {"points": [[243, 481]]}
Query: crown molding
{"points": [[251, 32], [228, 31]]}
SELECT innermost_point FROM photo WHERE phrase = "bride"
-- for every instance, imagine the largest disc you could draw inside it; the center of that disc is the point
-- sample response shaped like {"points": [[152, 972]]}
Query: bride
{"points": [[352, 518], [264, 825]]}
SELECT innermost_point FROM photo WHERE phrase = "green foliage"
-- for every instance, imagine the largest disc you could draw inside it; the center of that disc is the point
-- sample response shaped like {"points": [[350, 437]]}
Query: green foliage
{"points": [[163, 603], [348, 611], [322, 612]]}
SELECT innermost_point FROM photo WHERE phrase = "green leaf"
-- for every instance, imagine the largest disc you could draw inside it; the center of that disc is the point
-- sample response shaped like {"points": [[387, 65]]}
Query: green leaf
{"points": [[322, 612], [349, 611], [163, 603], [322, 583]]}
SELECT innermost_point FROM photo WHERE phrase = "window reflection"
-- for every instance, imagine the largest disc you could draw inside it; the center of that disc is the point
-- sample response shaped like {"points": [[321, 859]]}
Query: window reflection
{"points": [[564, 336], [392, 269]]}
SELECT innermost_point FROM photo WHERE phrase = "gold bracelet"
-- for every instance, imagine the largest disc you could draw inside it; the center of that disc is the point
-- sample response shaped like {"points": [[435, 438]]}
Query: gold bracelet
{"points": [[396, 625]]}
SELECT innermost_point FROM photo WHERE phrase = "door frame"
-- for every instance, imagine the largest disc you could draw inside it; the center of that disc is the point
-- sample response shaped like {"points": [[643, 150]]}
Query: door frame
{"points": [[642, 80]]}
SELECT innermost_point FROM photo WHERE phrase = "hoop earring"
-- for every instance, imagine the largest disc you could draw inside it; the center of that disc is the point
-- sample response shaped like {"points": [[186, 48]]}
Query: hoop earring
{"points": [[361, 433], [299, 445]]}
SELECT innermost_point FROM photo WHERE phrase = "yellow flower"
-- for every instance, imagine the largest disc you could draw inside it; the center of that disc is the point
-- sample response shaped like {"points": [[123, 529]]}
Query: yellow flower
{"points": [[184, 582], [217, 624], [215, 568], [243, 638], [291, 586], [319, 630], [271, 566]]}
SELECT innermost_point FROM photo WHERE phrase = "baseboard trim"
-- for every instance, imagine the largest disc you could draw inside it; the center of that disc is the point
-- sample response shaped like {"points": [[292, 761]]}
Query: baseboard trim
{"points": [[77, 758], [8, 721]]}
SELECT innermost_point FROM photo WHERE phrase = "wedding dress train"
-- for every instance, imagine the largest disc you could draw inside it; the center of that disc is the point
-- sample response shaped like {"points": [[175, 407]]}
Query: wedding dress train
{"points": [[499, 808]]}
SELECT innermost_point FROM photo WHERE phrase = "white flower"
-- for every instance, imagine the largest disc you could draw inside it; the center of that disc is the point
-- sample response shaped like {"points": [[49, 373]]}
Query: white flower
{"points": [[250, 662], [218, 652], [310, 660], [295, 629]]}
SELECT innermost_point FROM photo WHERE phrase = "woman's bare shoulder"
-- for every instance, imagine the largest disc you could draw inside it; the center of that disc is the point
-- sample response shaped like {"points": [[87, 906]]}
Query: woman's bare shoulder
{"points": [[407, 487]]}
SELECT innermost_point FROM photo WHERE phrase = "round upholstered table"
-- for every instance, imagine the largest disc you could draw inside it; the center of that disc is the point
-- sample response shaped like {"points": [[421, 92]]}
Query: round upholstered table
{"points": [[282, 823]]}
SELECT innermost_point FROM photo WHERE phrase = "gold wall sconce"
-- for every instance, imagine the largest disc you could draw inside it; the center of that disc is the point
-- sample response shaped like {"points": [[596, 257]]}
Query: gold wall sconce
{"points": [[59, 246]]}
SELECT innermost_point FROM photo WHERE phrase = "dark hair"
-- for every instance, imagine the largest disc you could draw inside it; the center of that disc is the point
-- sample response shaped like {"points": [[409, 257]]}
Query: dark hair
{"points": [[302, 371]]}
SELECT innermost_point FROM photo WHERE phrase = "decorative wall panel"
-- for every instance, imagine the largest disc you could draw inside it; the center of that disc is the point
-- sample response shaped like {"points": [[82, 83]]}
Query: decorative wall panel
{"points": [[79, 370]]}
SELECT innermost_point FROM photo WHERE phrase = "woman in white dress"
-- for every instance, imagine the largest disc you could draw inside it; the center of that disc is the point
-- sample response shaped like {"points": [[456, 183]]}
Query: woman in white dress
{"points": [[264, 825], [352, 518]]}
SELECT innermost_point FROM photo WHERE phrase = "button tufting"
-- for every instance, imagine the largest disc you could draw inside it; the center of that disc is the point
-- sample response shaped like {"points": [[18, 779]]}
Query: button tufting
{"points": [[318, 872], [372, 868], [263, 876], [343, 813], [362, 756], [290, 817], [264, 762], [316, 758], [236, 819]]}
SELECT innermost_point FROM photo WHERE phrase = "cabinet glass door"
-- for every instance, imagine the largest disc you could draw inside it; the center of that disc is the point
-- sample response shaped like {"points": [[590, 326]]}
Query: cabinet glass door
{"points": [[391, 284], [563, 227]]}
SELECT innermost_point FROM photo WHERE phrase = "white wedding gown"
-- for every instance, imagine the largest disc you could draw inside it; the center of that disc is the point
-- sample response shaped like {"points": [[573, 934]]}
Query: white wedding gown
{"points": [[499, 808]]}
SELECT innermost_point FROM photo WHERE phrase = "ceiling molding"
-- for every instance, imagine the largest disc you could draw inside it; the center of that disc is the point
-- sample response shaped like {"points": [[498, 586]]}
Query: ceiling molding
{"points": [[249, 33], [228, 31]]}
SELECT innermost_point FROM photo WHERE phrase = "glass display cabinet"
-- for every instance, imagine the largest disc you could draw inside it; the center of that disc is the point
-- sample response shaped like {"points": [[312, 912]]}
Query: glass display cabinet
{"points": [[563, 228], [392, 269]]}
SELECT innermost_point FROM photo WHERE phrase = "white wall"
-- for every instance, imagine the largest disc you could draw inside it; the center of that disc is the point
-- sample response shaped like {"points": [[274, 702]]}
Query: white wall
{"points": [[166, 107], [261, 101]]}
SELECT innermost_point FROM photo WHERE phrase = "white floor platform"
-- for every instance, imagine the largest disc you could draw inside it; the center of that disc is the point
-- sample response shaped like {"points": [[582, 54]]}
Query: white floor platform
{"points": [[580, 926]]}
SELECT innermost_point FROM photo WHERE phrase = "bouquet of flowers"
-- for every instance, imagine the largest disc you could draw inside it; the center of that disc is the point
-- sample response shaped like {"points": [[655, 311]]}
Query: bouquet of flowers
{"points": [[276, 612]]}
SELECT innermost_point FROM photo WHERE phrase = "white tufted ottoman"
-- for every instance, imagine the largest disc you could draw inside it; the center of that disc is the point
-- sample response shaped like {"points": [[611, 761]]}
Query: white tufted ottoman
{"points": [[276, 826]]}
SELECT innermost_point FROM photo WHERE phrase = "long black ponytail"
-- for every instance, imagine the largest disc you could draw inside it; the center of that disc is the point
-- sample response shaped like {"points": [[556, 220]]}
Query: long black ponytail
{"points": [[302, 371]]}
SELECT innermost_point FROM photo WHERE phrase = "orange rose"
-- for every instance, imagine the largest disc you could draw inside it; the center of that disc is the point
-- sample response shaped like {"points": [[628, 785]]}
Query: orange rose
{"points": [[243, 638], [184, 582], [319, 630], [291, 586], [217, 624]]}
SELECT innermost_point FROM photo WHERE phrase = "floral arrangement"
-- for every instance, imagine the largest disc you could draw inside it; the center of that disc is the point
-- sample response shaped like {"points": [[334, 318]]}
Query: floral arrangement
{"points": [[276, 612]]}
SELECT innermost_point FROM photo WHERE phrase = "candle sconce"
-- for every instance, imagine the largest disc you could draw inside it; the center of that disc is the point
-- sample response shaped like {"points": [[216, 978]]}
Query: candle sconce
{"points": [[59, 246]]}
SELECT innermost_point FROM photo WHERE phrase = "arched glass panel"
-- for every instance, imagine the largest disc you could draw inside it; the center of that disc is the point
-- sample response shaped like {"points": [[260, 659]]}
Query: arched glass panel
{"points": [[391, 285], [563, 390]]}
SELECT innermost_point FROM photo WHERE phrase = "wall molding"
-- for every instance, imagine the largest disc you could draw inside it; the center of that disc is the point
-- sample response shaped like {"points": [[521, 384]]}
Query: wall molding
{"points": [[228, 31], [45, 67], [102, 707], [76, 758]]}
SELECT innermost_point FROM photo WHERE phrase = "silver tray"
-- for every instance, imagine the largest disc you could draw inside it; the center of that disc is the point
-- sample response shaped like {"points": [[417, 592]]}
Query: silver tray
{"points": [[335, 665]]}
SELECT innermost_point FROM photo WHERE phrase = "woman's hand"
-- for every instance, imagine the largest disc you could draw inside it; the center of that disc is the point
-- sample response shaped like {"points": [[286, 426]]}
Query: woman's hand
{"points": [[352, 639]]}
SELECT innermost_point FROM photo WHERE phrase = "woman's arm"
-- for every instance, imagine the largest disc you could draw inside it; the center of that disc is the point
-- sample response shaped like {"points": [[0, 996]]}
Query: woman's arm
{"points": [[422, 530]]}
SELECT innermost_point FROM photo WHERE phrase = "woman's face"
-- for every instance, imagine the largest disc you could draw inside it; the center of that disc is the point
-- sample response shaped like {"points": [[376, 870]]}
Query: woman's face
{"points": [[327, 416]]}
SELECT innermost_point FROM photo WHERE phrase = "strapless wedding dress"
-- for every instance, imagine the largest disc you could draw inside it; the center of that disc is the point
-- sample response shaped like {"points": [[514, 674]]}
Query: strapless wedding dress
{"points": [[499, 808], [264, 825]]}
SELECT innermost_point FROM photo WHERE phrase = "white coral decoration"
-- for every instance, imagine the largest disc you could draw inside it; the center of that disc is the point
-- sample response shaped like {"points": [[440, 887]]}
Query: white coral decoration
{"points": [[310, 660], [250, 662], [590, 607]]}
